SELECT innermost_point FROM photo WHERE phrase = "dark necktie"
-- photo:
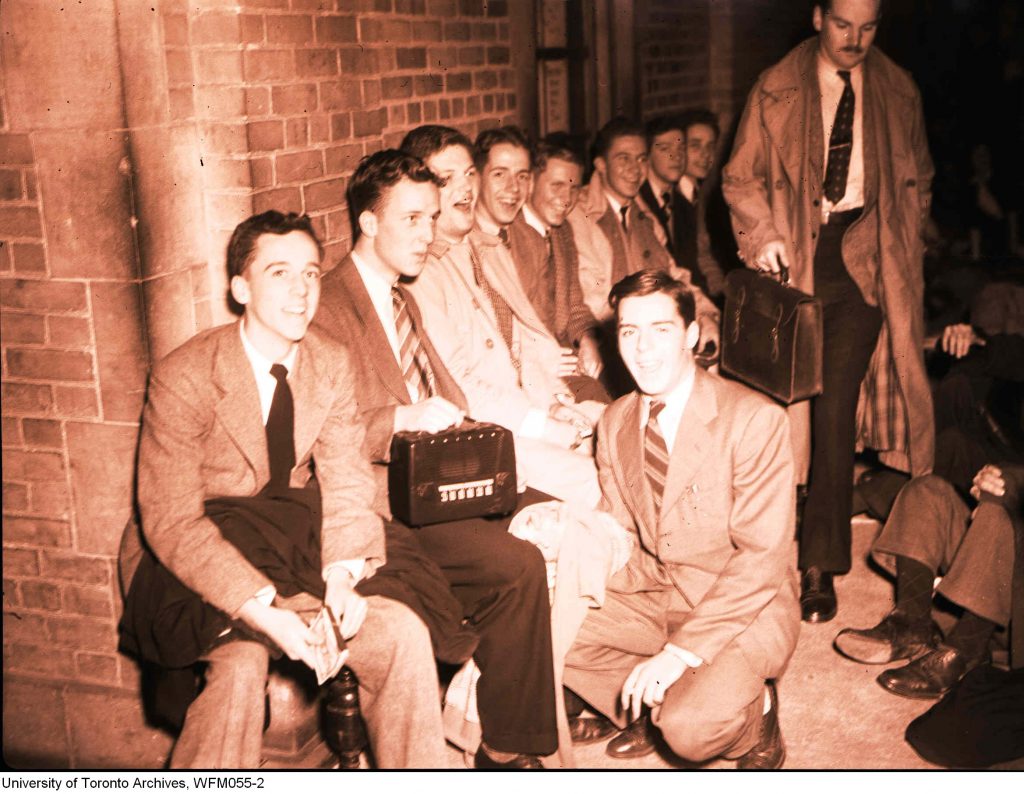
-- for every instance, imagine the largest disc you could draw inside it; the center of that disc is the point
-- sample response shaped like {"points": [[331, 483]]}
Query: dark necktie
{"points": [[281, 430], [666, 206], [655, 455], [502, 311], [624, 211], [840, 144], [503, 236], [416, 370]]}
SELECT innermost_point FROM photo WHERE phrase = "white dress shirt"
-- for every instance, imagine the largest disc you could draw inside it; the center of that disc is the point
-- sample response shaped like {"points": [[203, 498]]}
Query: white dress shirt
{"points": [[832, 85], [688, 187]]}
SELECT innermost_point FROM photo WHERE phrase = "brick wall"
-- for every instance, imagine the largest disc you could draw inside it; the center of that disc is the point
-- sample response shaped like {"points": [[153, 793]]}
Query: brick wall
{"points": [[673, 56], [133, 137]]}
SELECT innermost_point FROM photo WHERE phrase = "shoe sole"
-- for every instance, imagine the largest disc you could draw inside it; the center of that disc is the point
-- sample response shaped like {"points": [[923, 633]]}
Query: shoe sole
{"points": [[627, 756], [916, 653], [583, 742]]}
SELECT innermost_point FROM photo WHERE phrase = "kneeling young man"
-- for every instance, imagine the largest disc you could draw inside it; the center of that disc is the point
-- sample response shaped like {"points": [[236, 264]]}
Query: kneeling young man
{"points": [[705, 613], [241, 414]]}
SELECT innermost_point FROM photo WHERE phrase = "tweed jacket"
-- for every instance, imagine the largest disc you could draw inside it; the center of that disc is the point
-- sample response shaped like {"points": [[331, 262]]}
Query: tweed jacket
{"points": [[601, 241], [773, 184], [724, 535], [555, 293], [203, 437], [347, 314]]}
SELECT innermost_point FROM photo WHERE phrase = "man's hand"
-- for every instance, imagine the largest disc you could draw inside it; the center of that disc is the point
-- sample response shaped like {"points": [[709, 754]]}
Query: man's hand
{"points": [[710, 337], [568, 364], [288, 631], [957, 340], [346, 606], [431, 415], [649, 681], [560, 433], [772, 258], [989, 479], [590, 356]]}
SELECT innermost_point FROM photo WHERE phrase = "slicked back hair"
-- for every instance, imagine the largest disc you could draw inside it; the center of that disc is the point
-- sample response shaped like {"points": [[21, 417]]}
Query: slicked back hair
{"points": [[650, 281], [553, 149], [618, 127], [243, 240], [661, 125], [379, 172], [428, 139], [699, 116], [488, 139]]}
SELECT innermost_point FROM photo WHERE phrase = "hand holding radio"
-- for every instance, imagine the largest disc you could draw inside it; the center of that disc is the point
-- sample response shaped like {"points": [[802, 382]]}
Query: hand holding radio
{"points": [[429, 416]]}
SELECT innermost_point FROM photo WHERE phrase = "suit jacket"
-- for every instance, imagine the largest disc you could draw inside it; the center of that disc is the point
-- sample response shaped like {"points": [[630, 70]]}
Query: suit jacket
{"points": [[773, 184], [203, 437], [347, 314], [605, 249], [724, 536], [554, 292]]}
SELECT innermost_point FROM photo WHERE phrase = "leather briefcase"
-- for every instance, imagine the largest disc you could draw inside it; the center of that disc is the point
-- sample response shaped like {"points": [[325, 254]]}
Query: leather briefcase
{"points": [[771, 337], [463, 472]]}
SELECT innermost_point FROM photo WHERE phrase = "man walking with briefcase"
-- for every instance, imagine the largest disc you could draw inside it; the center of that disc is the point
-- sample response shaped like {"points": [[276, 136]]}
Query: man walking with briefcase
{"points": [[830, 178]]}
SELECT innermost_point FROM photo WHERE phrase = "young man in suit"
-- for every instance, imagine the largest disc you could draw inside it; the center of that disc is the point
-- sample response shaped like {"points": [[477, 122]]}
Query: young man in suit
{"points": [[463, 297], [248, 410], [545, 253], [705, 611], [405, 385]]}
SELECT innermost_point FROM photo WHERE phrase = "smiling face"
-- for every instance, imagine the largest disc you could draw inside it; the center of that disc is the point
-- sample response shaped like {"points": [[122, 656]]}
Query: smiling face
{"points": [[655, 343], [624, 167], [401, 229], [668, 156], [454, 164], [555, 190], [280, 290], [700, 150], [504, 184], [846, 30]]}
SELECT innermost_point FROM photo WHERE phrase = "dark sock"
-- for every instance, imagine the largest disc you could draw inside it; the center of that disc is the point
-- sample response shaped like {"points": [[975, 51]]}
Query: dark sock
{"points": [[574, 704], [971, 634], [914, 582]]}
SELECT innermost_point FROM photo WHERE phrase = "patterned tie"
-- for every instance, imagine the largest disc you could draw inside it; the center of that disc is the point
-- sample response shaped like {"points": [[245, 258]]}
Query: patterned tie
{"points": [[840, 144], [416, 369], [280, 430], [624, 211], [502, 311], [655, 455], [666, 206]]}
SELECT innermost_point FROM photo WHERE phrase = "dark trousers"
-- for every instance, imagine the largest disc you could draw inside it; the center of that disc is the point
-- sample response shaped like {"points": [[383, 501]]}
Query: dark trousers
{"points": [[501, 582], [851, 329]]}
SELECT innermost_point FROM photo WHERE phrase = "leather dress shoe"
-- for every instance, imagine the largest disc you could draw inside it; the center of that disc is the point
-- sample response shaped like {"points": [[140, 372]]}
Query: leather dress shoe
{"points": [[635, 741], [522, 761], [770, 751], [817, 596], [587, 730], [895, 638], [930, 676]]}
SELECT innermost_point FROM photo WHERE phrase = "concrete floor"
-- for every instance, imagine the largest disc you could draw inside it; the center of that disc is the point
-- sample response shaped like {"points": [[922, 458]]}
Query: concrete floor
{"points": [[833, 714]]}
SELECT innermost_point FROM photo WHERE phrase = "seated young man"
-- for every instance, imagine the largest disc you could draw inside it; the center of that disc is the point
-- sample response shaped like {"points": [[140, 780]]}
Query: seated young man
{"points": [[403, 384], [239, 416], [931, 531], [705, 612], [467, 301]]}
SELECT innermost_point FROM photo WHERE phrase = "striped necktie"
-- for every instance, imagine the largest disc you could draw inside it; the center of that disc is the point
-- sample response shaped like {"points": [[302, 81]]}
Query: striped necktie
{"points": [[655, 455], [666, 206], [840, 144], [502, 311], [416, 370]]}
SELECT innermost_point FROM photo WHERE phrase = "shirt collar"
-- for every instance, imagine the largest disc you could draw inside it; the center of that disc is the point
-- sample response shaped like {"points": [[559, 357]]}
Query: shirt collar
{"points": [[531, 218], [676, 400], [829, 71], [616, 204], [487, 226], [259, 362], [658, 187], [374, 281], [688, 187]]}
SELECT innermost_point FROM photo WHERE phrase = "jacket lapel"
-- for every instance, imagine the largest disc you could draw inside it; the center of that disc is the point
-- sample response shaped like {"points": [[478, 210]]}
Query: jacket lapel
{"points": [[692, 442], [382, 357], [629, 463], [312, 389], [238, 410]]}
